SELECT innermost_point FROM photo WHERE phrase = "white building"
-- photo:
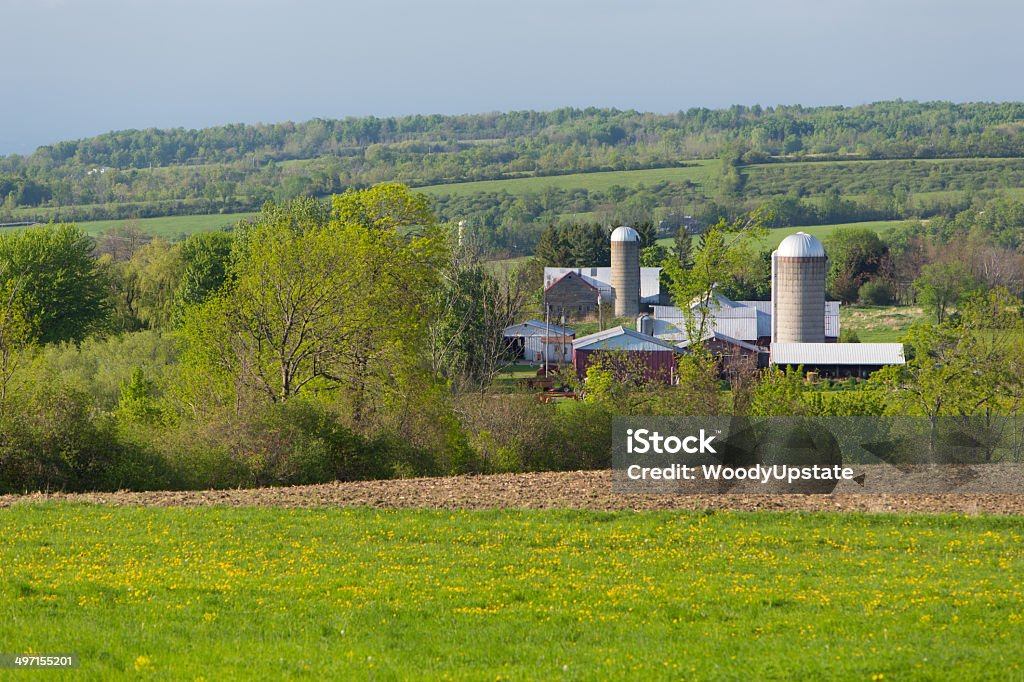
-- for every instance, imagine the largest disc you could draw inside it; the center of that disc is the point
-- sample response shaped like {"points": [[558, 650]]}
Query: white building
{"points": [[748, 321], [539, 342]]}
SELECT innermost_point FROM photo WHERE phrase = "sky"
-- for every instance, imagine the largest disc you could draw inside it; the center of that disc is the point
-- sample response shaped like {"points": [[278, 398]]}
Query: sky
{"points": [[77, 68]]}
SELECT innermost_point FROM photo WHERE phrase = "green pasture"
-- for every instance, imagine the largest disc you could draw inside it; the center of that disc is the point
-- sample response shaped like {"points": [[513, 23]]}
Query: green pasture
{"points": [[171, 226], [263, 593], [700, 173], [880, 324], [776, 235]]}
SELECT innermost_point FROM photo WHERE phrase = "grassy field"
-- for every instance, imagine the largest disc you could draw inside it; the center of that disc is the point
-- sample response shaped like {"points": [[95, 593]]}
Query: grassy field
{"points": [[171, 226], [775, 236], [882, 324], [822, 231], [251, 593], [699, 173]]}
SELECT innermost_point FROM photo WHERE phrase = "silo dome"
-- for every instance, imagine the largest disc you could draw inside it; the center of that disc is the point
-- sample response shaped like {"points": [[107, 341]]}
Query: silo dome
{"points": [[800, 245], [625, 234]]}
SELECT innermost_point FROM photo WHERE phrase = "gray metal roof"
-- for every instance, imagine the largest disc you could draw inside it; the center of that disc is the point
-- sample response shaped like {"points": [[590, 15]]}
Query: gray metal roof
{"points": [[536, 328], [761, 311], [685, 343], [735, 321], [601, 278], [837, 354], [621, 338]]}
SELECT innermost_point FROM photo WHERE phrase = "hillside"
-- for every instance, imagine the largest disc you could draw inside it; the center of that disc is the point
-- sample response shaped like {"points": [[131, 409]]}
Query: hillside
{"points": [[509, 174]]}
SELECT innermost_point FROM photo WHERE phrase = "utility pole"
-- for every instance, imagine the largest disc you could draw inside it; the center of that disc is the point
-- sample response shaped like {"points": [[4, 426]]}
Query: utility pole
{"points": [[547, 333]]}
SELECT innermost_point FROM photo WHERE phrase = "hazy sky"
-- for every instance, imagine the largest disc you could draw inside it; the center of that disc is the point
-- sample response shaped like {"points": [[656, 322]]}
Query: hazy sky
{"points": [[76, 68]]}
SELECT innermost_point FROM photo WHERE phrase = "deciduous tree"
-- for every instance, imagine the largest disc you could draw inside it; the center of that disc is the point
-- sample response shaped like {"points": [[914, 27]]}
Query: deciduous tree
{"points": [[62, 287]]}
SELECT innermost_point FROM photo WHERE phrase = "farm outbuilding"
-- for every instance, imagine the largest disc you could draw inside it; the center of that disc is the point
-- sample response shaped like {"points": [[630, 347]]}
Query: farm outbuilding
{"points": [[628, 349], [574, 292], [575, 295], [539, 342], [749, 321], [732, 353], [837, 360]]}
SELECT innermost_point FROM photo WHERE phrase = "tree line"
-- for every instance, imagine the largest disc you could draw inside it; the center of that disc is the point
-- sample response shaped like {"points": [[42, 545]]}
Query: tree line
{"points": [[244, 165]]}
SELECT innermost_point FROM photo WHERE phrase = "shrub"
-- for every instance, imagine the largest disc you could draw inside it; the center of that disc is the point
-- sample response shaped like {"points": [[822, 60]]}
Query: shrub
{"points": [[510, 432], [583, 436], [99, 367], [875, 292], [293, 443], [849, 336], [50, 440]]}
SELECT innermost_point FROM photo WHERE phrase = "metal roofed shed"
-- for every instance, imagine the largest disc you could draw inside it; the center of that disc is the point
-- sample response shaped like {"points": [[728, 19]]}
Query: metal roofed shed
{"points": [[536, 328], [538, 342], [655, 356], [838, 359], [749, 321]]}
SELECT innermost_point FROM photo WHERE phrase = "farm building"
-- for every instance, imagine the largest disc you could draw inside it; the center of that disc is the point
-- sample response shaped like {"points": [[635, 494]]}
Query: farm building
{"points": [[574, 295], [540, 342], [574, 291], [798, 327], [748, 321], [618, 290], [630, 350], [837, 360], [732, 352]]}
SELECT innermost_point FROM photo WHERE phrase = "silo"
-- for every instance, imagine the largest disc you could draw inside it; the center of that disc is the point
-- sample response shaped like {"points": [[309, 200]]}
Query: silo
{"points": [[798, 290], [645, 324], [626, 271]]}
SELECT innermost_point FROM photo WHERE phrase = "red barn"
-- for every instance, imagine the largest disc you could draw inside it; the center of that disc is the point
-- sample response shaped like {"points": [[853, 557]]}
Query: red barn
{"points": [[630, 352]]}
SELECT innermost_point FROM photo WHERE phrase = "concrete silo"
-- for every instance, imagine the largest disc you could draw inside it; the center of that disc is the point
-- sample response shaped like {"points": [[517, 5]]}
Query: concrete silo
{"points": [[798, 290], [626, 271]]}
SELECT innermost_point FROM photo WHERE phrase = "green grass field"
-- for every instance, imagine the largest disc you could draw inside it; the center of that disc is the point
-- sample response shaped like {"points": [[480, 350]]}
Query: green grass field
{"points": [[171, 226], [822, 231], [775, 236], [882, 324], [699, 173], [257, 593]]}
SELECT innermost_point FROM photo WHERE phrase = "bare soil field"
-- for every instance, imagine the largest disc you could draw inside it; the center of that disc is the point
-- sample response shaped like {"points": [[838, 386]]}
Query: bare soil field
{"points": [[552, 490]]}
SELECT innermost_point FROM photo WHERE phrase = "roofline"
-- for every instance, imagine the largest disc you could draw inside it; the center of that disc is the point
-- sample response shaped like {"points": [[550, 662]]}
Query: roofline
{"points": [[572, 272], [620, 330]]}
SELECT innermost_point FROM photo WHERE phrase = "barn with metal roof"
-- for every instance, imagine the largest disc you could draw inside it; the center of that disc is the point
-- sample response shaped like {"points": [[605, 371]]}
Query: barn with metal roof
{"points": [[628, 348], [838, 359]]}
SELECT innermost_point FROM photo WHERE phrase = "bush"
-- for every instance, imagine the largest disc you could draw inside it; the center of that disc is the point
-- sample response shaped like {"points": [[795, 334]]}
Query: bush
{"points": [[583, 433], [99, 367], [875, 292], [848, 336], [298, 442], [50, 440], [510, 433]]}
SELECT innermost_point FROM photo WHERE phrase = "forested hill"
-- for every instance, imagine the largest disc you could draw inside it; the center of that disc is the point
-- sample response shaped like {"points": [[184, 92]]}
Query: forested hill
{"points": [[881, 130], [141, 173]]}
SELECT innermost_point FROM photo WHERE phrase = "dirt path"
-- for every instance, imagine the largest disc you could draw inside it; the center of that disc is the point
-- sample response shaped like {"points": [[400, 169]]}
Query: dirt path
{"points": [[565, 490]]}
